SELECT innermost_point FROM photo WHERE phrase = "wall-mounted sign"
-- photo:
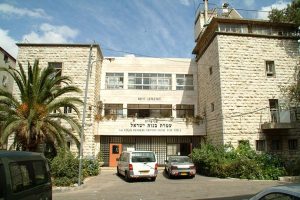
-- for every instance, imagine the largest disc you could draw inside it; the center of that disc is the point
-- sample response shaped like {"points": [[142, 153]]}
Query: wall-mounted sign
{"points": [[149, 98]]}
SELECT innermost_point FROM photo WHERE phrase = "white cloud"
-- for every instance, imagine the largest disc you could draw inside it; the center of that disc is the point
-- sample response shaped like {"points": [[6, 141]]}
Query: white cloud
{"points": [[279, 5], [12, 10], [8, 43], [48, 33], [185, 2]]}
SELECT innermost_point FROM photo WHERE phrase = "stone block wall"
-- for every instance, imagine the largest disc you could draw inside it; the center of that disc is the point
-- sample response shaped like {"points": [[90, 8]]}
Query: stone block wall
{"points": [[74, 60]]}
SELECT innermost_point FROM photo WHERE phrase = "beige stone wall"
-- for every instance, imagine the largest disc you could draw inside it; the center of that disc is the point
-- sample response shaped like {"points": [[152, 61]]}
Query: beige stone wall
{"points": [[75, 62], [11, 63], [239, 87], [210, 93]]}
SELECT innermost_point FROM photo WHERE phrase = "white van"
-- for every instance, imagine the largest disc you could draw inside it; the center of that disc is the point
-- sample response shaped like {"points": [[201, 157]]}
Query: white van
{"points": [[137, 164]]}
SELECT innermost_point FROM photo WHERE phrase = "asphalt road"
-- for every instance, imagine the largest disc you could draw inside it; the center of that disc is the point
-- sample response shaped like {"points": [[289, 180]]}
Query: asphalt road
{"points": [[109, 186]]}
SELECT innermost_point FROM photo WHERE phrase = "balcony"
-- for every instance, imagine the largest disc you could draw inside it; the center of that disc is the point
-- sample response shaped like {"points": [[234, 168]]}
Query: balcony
{"points": [[280, 119]]}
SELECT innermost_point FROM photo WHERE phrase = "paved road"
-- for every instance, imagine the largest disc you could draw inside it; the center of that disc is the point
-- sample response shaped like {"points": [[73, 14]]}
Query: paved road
{"points": [[108, 186]]}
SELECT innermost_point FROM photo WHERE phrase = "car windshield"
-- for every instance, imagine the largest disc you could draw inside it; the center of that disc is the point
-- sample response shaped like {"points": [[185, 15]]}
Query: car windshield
{"points": [[180, 159], [143, 157]]}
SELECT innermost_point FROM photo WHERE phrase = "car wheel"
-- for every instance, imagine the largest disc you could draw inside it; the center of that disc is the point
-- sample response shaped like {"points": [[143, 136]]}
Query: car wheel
{"points": [[169, 174], [127, 177], [118, 172], [153, 179]]}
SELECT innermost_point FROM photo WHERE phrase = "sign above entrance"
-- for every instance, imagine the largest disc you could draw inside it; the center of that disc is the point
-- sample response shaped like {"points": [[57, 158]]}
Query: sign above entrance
{"points": [[149, 98]]}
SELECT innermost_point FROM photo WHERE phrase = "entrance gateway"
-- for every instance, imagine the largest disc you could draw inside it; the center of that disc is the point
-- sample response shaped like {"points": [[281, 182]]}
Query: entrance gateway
{"points": [[163, 146]]}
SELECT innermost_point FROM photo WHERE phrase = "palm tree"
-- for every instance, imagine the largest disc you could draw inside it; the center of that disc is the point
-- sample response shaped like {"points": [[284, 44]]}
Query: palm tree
{"points": [[35, 117]]}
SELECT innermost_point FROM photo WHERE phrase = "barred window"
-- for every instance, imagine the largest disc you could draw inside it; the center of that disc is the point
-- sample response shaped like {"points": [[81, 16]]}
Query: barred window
{"points": [[57, 66], [149, 81], [184, 82], [114, 80], [113, 109], [260, 145], [293, 144]]}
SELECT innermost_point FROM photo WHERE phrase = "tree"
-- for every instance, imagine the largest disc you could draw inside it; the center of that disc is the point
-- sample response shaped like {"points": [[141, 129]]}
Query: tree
{"points": [[289, 14], [35, 117]]}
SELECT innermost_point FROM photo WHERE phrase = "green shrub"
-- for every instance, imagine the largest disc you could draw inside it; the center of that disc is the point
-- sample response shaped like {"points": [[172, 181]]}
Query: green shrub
{"points": [[242, 162], [65, 168]]}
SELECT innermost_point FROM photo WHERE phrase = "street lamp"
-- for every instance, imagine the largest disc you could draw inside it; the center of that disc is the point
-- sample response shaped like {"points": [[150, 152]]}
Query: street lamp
{"points": [[89, 69]]}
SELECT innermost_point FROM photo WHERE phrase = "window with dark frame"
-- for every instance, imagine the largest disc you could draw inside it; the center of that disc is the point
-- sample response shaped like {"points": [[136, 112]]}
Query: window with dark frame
{"points": [[67, 109], [184, 82], [270, 68], [5, 58], [210, 71], [260, 145], [149, 110], [276, 145], [57, 66], [212, 107], [293, 144], [184, 110], [113, 110]]}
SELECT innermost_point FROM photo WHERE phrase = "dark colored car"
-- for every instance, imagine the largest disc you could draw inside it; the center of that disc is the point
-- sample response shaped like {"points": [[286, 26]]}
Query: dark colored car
{"points": [[283, 192], [24, 176], [180, 166]]}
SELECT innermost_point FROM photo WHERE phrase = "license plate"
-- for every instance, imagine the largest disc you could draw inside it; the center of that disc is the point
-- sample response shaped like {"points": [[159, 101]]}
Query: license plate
{"points": [[184, 174], [144, 172]]}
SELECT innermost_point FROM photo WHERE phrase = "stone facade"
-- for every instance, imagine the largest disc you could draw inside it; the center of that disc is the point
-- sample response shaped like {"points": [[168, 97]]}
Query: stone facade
{"points": [[233, 79], [74, 59]]}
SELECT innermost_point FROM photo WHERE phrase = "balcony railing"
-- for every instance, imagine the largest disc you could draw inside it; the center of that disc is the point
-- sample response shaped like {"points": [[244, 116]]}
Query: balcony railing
{"points": [[280, 119]]}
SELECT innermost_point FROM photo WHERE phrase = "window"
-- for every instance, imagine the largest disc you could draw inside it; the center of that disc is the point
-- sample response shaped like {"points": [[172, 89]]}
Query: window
{"points": [[293, 144], [113, 109], [212, 107], [274, 110], [67, 109], [115, 149], [57, 66], [114, 80], [270, 68], [149, 110], [27, 175], [210, 71], [183, 110], [4, 81], [5, 58], [184, 82], [279, 196], [69, 145], [149, 81], [2, 181], [260, 145], [234, 28], [276, 145]]}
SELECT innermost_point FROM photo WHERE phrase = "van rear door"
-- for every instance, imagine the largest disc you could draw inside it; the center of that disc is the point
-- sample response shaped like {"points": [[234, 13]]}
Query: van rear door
{"points": [[143, 163]]}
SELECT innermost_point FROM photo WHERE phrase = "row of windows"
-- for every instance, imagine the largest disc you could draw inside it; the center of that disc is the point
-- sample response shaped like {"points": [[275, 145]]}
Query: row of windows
{"points": [[276, 145], [149, 110], [149, 81], [256, 29]]}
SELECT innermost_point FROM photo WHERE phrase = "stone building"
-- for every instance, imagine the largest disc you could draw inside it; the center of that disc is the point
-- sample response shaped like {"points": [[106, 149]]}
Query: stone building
{"points": [[6, 81], [72, 60], [242, 64]]}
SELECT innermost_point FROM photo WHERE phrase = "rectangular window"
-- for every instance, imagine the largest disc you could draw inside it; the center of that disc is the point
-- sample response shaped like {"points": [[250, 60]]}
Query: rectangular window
{"points": [[212, 107], [184, 110], [27, 174], [276, 145], [113, 110], [184, 82], [293, 144], [114, 80], [5, 58], [270, 68], [67, 109], [149, 81], [210, 71], [274, 110], [260, 145], [4, 80], [233, 28], [149, 110], [57, 66]]}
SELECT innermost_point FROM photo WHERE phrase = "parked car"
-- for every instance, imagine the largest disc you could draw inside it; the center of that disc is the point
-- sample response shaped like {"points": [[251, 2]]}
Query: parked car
{"points": [[24, 176], [137, 164], [180, 166], [283, 192]]}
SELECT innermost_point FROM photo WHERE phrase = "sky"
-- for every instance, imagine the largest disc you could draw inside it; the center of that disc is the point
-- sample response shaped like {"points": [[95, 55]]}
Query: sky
{"points": [[147, 28]]}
